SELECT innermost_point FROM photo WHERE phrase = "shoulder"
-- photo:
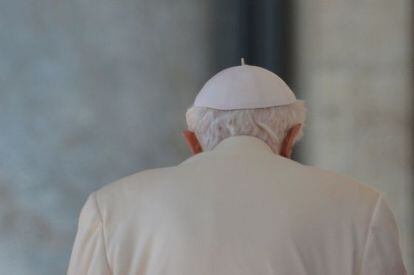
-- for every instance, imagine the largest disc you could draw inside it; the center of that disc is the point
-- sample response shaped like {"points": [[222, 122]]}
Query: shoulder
{"points": [[342, 192], [128, 190], [138, 179], [342, 182]]}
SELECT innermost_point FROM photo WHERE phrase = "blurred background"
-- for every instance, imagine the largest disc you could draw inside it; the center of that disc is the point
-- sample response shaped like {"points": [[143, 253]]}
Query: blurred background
{"points": [[95, 90]]}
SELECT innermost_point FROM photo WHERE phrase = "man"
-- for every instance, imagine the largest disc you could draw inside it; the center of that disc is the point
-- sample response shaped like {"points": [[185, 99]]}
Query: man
{"points": [[239, 205]]}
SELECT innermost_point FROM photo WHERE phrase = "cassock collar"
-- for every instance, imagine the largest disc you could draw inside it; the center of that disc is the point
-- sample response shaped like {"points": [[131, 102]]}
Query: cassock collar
{"points": [[243, 142], [236, 144]]}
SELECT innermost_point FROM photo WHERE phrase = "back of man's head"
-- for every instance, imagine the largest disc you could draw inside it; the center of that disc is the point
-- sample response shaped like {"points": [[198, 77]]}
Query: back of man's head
{"points": [[246, 100]]}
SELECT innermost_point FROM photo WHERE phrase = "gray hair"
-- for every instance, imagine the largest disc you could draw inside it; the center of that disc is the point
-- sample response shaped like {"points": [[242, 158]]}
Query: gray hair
{"points": [[268, 124]]}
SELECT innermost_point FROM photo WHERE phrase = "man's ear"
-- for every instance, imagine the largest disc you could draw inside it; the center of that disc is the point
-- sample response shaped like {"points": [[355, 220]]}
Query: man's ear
{"points": [[192, 142], [287, 144]]}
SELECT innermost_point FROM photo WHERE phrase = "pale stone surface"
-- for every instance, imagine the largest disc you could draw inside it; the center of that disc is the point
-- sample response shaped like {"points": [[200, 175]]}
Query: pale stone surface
{"points": [[91, 91], [354, 69]]}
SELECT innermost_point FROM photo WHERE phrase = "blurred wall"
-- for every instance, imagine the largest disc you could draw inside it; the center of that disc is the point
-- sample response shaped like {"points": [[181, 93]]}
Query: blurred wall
{"points": [[92, 91], [354, 68]]}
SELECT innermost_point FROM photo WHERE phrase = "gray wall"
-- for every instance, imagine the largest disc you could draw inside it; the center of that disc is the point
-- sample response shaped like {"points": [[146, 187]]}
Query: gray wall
{"points": [[354, 68], [91, 91]]}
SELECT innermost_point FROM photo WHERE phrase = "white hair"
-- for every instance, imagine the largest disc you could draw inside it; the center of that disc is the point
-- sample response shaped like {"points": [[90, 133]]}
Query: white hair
{"points": [[270, 124]]}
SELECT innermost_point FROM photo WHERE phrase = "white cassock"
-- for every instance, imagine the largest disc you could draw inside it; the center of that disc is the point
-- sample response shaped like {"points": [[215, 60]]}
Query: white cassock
{"points": [[239, 209]]}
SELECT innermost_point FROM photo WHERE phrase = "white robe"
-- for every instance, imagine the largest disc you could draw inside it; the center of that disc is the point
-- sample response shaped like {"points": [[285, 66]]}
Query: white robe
{"points": [[238, 209]]}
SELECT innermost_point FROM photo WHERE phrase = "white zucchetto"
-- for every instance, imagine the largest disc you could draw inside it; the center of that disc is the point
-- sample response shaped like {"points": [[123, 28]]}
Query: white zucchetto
{"points": [[244, 87]]}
